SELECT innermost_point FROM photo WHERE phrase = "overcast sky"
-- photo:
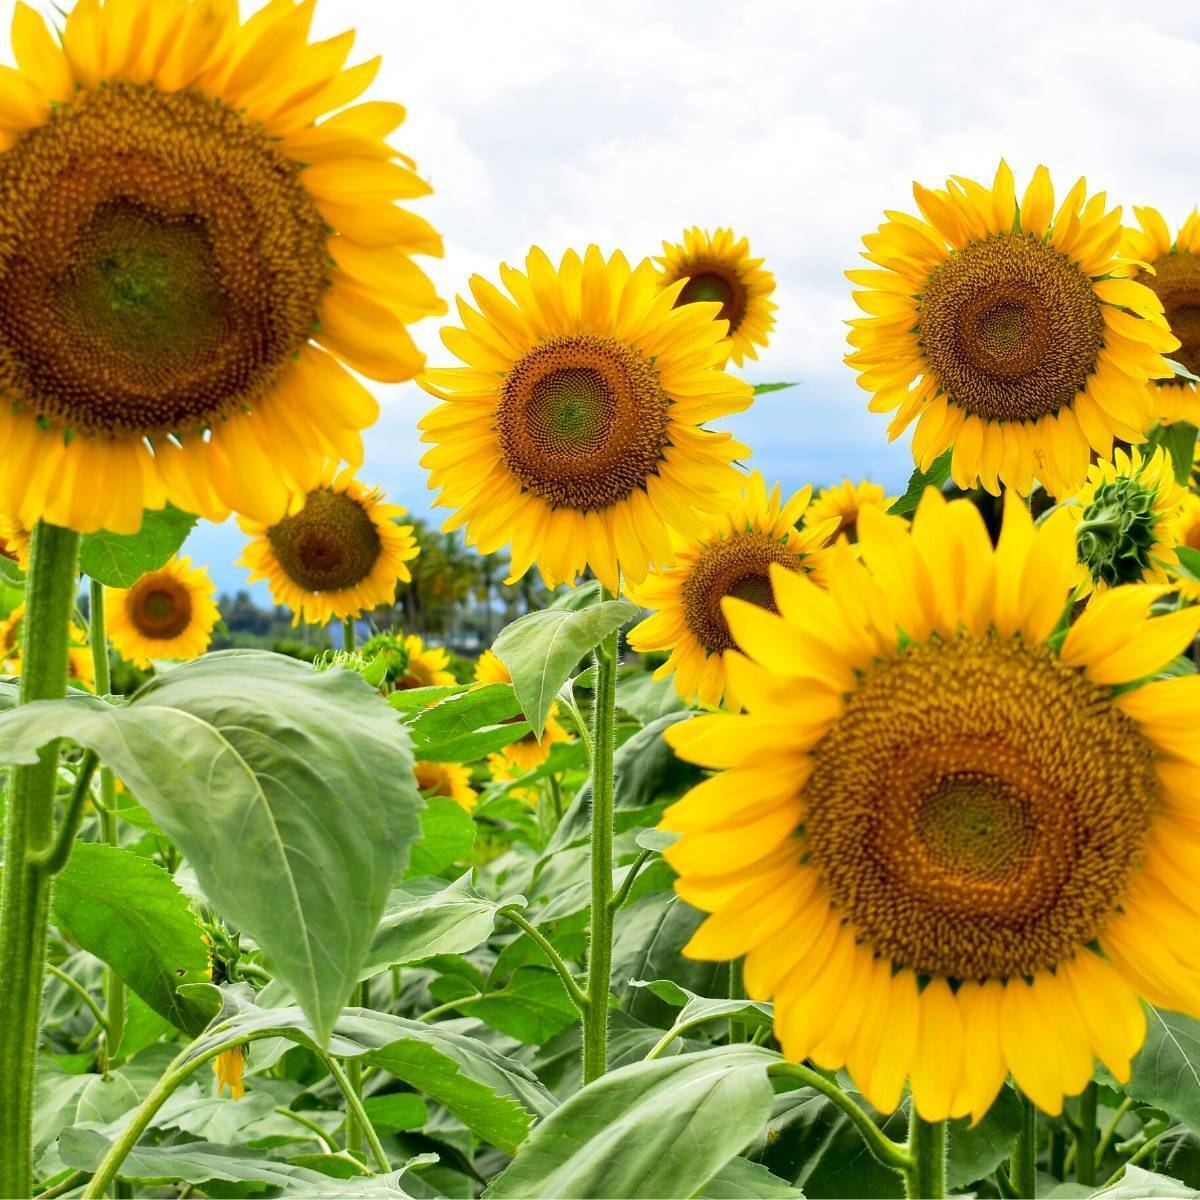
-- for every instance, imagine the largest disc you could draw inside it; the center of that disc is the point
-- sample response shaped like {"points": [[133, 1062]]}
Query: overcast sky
{"points": [[563, 123]]}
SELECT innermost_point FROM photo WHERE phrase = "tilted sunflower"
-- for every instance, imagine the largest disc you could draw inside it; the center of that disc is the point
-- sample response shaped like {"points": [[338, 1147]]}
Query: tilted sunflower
{"points": [[843, 502], [529, 751], [1174, 276], [338, 551], [189, 261], [1008, 331], [717, 267], [732, 557], [1126, 517], [575, 430], [950, 845], [168, 613], [424, 666], [14, 542], [451, 780]]}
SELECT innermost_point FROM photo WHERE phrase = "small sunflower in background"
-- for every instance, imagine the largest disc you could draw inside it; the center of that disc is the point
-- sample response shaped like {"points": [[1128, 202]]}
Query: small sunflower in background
{"points": [[951, 845], [338, 552], [452, 780], [169, 613], [718, 268], [1010, 332], [733, 557], [502, 769], [425, 666], [1174, 276], [527, 752], [230, 1069], [843, 502], [81, 670], [14, 542], [190, 265], [1185, 535], [576, 430], [1126, 515]]}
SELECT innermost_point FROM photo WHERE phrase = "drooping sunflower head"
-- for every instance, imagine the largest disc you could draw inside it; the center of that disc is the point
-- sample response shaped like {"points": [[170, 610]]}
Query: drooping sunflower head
{"points": [[528, 751], [1174, 277], [425, 666], [843, 502], [717, 268], [168, 613], [1009, 331], [734, 556], [575, 429], [188, 258], [950, 845], [452, 780], [14, 542], [337, 552], [1126, 515]]}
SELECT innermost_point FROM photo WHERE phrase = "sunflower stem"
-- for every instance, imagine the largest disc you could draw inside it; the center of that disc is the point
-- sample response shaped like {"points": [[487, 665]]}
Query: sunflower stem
{"points": [[1023, 1169], [29, 832], [355, 1132], [114, 987], [349, 634], [1085, 1139], [925, 1178], [595, 1019]]}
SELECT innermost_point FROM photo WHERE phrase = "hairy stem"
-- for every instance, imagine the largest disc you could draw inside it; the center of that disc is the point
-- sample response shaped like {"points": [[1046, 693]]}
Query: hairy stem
{"points": [[1023, 1170], [925, 1178], [1085, 1139]]}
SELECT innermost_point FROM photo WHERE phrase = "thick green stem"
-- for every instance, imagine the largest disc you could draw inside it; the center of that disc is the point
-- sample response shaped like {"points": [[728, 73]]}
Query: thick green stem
{"points": [[595, 1019], [114, 987], [29, 832], [925, 1178], [1085, 1139], [348, 634], [1023, 1168], [737, 991], [354, 1103]]}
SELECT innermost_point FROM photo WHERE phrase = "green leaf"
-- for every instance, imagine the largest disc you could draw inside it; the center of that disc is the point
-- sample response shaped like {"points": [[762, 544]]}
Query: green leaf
{"points": [[490, 1094], [119, 560], [541, 649], [415, 700], [396, 1111], [974, 1152], [761, 389], [1166, 1071], [203, 1114], [918, 481], [464, 713], [741, 1179], [290, 792], [653, 1129], [418, 923], [1179, 441], [130, 913], [470, 747], [583, 596], [1137, 1184], [646, 699], [532, 1007], [1181, 372], [447, 835], [10, 573], [695, 1009]]}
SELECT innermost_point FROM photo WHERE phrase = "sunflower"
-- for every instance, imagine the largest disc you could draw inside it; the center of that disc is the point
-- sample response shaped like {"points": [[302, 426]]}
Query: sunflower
{"points": [[10, 632], [950, 845], [1173, 275], [337, 553], [1127, 514], [719, 268], [1186, 535], [843, 502], [732, 557], [575, 429], [81, 670], [1011, 333], [189, 262], [230, 1068], [451, 780], [529, 751], [168, 613], [14, 542], [424, 667], [502, 770]]}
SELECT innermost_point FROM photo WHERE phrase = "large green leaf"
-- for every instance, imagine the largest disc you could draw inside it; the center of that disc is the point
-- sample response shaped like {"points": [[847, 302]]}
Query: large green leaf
{"points": [[489, 1093], [290, 792], [1166, 1071], [696, 1010], [130, 913], [741, 1179], [936, 476], [653, 1129], [1139, 1184], [468, 727], [447, 835], [420, 922], [1179, 441], [541, 649], [646, 699], [119, 560], [532, 1007]]}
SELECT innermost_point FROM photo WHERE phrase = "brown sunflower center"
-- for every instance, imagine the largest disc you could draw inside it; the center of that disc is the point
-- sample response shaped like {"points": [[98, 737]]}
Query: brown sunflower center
{"points": [[583, 421], [329, 545], [160, 263], [159, 606], [1192, 538], [715, 283], [978, 808], [7, 551], [1176, 280], [738, 566], [1011, 328]]}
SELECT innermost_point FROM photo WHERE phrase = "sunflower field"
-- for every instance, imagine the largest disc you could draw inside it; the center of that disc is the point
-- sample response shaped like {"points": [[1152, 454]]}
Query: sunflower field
{"points": [[765, 844]]}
